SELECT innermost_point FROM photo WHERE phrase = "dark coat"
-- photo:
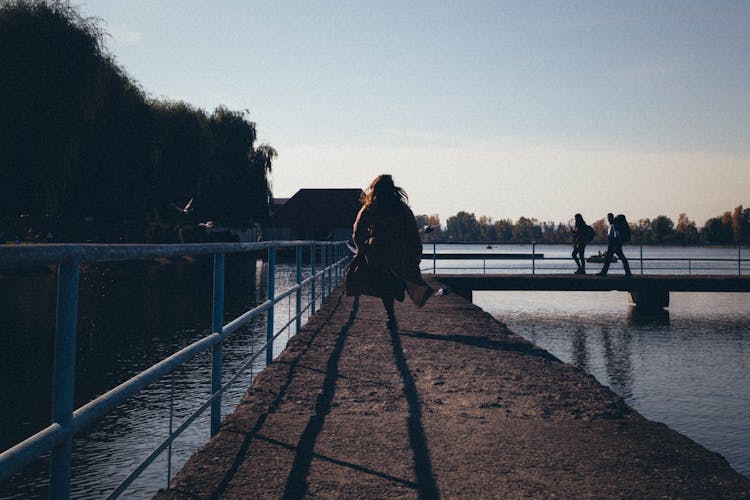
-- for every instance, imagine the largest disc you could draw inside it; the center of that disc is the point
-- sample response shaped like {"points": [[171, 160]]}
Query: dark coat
{"points": [[389, 250]]}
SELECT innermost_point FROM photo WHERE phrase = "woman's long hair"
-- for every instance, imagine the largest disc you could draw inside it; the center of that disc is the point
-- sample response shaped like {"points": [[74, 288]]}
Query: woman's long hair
{"points": [[579, 222], [382, 191]]}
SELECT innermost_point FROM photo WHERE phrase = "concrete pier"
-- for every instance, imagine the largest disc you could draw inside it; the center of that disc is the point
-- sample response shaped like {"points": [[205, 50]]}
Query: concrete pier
{"points": [[453, 405], [647, 292]]}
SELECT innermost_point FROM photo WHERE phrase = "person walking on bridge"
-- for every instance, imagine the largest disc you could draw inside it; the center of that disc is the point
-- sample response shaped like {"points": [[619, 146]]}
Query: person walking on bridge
{"points": [[389, 249], [582, 234], [619, 233]]}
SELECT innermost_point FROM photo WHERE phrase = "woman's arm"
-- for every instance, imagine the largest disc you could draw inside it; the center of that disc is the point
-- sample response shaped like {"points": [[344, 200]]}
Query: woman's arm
{"points": [[361, 229], [413, 239]]}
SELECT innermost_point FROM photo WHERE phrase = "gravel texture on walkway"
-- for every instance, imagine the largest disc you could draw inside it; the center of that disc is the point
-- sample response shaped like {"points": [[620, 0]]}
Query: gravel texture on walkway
{"points": [[454, 405]]}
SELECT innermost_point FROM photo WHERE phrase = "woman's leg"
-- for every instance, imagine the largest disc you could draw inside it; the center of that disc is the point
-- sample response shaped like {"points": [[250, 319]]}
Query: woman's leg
{"points": [[624, 260], [388, 303], [581, 253], [575, 257], [607, 259]]}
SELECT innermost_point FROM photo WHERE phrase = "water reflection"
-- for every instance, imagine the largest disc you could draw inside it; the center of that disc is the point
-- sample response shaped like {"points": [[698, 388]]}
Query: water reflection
{"points": [[579, 349], [686, 366], [617, 353], [647, 317]]}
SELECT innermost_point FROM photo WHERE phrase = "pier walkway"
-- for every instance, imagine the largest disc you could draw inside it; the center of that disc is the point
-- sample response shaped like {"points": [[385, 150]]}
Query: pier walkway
{"points": [[453, 405], [650, 291]]}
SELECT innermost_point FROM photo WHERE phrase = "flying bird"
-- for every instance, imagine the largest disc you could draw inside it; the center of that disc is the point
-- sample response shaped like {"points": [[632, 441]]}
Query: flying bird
{"points": [[186, 209], [427, 229]]}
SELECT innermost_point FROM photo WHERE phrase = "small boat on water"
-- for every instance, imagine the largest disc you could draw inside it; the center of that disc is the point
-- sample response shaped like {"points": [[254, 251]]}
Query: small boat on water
{"points": [[599, 258]]}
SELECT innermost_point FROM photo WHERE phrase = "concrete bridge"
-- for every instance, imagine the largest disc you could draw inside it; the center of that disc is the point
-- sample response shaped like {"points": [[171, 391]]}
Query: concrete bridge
{"points": [[645, 291], [451, 405]]}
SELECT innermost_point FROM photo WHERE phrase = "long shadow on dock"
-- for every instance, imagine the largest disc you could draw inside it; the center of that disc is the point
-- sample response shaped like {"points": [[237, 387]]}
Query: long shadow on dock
{"points": [[253, 433], [296, 484], [484, 343], [426, 485], [341, 463]]}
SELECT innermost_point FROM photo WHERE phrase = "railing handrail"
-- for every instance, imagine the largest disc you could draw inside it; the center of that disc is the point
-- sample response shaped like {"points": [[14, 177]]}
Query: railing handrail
{"points": [[434, 255], [593, 242], [490, 256], [71, 255], [39, 254]]}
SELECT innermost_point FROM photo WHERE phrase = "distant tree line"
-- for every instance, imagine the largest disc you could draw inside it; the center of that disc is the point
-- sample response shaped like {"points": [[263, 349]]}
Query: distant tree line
{"points": [[87, 155], [733, 227]]}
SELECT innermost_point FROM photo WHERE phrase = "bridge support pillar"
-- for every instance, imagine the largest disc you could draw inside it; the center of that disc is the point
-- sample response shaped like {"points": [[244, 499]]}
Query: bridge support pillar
{"points": [[649, 299]]}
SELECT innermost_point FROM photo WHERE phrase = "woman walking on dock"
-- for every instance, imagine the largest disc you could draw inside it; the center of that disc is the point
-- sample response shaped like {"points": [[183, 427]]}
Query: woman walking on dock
{"points": [[582, 235], [389, 249]]}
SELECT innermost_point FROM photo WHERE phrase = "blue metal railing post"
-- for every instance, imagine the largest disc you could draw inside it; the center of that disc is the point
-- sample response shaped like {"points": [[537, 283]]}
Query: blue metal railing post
{"points": [[330, 271], [271, 297], [533, 257], [217, 326], [171, 428], [298, 305], [434, 258], [323, 265], [312, 282], [336, 257], [641, 257], [339, 256], [64, 375], [739, 260]]}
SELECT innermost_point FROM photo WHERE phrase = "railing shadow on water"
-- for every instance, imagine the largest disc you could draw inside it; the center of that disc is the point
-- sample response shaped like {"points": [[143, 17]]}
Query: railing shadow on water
{"points": [[527, 259], [326, 261]]}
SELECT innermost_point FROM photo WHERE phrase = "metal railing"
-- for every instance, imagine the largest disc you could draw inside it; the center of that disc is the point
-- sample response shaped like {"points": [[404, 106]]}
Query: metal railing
{"points": [[535, 261], [66, 422]]}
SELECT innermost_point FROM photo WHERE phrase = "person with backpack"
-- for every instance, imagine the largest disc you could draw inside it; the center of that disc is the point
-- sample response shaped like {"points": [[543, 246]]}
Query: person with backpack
{"points": [[619, 233], [582, 235]]}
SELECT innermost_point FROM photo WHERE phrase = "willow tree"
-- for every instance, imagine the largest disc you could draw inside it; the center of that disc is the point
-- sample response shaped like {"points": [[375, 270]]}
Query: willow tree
{"points": [[84, 147]]}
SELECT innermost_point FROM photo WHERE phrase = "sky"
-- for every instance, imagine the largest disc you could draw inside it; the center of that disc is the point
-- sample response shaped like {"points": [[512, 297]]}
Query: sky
{"points": [[506, 109]]}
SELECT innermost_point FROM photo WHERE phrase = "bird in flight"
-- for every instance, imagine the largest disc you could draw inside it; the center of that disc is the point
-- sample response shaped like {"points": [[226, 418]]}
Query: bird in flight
{"points": [[186, 209]]}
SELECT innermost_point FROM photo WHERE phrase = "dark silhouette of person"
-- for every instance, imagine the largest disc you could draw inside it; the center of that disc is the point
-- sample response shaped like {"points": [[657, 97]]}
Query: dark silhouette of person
{"points": [[389, 249], [614, 246], [582, 235]]}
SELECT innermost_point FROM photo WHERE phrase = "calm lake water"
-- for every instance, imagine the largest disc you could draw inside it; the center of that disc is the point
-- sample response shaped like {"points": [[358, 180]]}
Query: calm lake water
{"points": [[687, 367]]}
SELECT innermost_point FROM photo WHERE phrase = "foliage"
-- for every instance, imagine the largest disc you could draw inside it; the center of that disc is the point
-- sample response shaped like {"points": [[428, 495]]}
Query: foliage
{"points": [[662, 229], [601, 230], [434, 231], [686, 231], [731, 227], [88, 156], [463, 227]]}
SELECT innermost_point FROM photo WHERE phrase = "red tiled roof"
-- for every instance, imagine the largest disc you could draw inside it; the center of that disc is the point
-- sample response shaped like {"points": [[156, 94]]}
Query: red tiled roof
{"points": [[318, 209]]}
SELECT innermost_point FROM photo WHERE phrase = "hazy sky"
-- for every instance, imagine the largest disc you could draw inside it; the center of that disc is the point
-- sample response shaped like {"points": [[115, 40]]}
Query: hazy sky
{"points": [[503, 109]]}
